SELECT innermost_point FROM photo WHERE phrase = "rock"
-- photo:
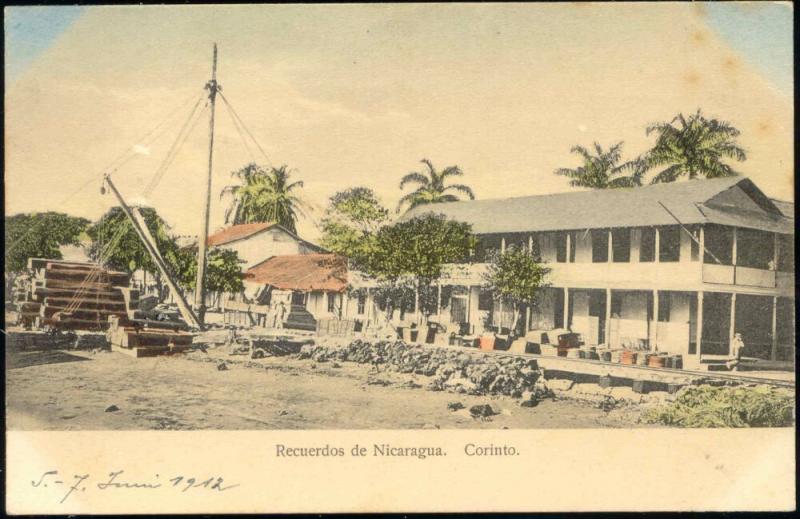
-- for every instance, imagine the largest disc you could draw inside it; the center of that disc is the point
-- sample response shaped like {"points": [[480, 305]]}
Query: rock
{"points": [[336, 365], [529, 403], [112, 409], [222, 366], [482, 411], [283, 412], [455, 406], [430, 426]]}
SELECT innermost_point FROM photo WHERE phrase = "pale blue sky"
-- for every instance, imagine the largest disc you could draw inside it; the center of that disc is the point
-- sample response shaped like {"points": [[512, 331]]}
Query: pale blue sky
{"points": [[760, 31]]}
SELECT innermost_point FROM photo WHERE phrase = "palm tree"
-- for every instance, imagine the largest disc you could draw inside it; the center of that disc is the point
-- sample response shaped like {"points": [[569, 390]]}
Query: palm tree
{"points": [[693, 147], [431, 187], [601, 169], [264, 196]]}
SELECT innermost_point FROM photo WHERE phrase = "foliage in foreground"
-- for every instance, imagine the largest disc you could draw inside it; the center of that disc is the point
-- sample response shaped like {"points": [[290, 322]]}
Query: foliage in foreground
{"points": [[708, 406]]}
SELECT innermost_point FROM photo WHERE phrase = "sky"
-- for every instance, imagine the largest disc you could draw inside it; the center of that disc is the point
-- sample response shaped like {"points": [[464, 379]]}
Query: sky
{"points": [[357, 94]]}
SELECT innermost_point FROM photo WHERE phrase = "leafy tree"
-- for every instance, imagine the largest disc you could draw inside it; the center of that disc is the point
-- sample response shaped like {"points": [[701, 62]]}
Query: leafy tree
{"points": [[602, 169], [37, 235], [692, 147], [116, 244], [417, 249], [350, 222], [224, 272], [516, 277], [264, 196], [432, 186]]}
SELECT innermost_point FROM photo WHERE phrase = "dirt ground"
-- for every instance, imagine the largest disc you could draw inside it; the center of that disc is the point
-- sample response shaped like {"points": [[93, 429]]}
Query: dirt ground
{"points": [[60, 390]]}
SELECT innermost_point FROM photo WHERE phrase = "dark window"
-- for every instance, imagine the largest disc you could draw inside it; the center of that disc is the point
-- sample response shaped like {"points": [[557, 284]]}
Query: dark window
{"points": [[786, 253], [621, 245], [599, 246], [647, 245], [561, 247], [663, 307], [718, 241], [616, 305], [362, 304], [755, 249], [669, 244], [299, 298], [485, 300], [331, 302]]}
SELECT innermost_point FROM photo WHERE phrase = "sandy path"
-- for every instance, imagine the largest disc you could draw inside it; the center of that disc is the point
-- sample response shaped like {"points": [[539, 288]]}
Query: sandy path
{"points": [[71, 391]]}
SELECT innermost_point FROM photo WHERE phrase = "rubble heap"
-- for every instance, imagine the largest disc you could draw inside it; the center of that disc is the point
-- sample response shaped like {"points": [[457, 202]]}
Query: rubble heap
{"points": [[460, 371]]}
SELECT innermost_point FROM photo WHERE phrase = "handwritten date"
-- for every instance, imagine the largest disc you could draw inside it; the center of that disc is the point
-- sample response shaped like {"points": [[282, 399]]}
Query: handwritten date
{"points": [[117, 480]]}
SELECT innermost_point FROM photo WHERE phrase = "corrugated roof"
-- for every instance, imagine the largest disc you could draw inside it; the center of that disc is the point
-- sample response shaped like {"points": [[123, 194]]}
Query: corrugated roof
{"points": [[609, 208], [301, 272], [237, 232]]}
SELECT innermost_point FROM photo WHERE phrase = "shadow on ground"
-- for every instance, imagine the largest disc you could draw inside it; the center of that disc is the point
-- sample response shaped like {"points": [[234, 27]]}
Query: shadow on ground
{"points": [[26, 359]]}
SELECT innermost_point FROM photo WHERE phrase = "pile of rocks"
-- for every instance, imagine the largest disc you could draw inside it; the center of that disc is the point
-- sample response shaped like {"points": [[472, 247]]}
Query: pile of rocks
{"points": [[460, 371]]}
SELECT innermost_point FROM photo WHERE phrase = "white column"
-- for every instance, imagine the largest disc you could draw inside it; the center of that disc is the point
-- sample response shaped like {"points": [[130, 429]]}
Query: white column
{"points": [[608, 317], [530, 244], [773, 355], [699, 330], [654, 331], [702, 240], [734, 253], [733, 320], [610, 246], [439, 301], [775, 248], [569, 247], [502, 245], [566, 308]]}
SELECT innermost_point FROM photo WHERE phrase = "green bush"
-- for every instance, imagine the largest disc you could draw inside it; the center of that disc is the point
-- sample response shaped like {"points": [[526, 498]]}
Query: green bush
{"points": [[708, 406]]}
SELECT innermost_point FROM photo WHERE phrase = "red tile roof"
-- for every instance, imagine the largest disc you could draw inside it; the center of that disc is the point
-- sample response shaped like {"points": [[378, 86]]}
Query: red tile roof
{"points": [[302, 272], [237, 232]]}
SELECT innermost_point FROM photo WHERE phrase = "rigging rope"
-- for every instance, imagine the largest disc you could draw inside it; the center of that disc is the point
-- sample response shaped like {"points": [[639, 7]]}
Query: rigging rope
{"points": [[174, 148], [241, 133], [246, 129], [115, 164]]}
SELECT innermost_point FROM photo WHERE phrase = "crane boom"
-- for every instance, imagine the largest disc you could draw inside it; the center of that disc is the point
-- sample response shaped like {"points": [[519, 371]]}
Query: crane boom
{"points": [[143, 232]]}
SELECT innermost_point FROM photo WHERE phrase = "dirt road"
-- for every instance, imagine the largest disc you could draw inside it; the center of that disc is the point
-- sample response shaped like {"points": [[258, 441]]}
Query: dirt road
{"points": [[71, 391]]}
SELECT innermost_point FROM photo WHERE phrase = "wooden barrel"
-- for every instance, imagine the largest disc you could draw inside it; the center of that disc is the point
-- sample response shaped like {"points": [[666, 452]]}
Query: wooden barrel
{"points": [[641, 358], [606, 356], [656, 361]]}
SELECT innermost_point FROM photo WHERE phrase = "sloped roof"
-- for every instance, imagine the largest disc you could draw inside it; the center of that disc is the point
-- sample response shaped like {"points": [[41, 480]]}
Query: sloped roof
{"points": [[609, 208], [237, 232], [787, 208], [301, 272]]}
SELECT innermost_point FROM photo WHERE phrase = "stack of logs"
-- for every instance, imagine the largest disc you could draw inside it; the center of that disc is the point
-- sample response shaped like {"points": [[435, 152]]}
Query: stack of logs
{"points": [[70, 295]]}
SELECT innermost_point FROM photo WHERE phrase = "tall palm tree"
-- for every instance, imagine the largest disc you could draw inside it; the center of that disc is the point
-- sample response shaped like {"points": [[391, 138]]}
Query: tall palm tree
{"points": [[431, 186], [601, 169], [264, 196], [693, 147]]}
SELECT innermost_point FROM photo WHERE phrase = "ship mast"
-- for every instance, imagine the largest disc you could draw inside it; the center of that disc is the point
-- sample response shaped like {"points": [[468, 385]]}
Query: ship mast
{"points": [[200, 292]]}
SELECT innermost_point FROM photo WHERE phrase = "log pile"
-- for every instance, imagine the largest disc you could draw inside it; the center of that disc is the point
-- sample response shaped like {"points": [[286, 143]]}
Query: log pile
{"points": [[141, 339], [68, 295]]}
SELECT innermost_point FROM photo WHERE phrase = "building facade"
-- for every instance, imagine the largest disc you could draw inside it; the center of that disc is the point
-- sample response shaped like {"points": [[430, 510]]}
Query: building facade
{"points": [[677, 267]]}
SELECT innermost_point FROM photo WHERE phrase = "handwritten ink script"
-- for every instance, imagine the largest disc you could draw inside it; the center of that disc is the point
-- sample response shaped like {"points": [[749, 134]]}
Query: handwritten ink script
{"points": [[118, 480]]}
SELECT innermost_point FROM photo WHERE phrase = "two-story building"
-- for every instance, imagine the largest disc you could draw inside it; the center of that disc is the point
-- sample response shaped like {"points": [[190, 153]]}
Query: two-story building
{"points": [[678, 267]]}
